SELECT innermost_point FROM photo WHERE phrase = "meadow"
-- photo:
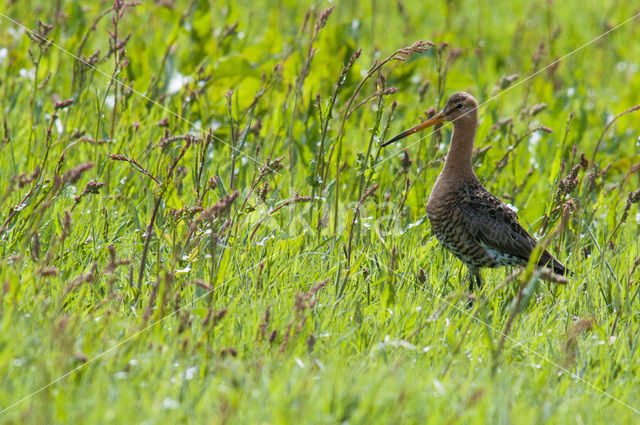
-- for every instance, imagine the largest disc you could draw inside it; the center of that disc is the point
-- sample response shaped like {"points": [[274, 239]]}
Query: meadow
{"points": [[198, 224]]}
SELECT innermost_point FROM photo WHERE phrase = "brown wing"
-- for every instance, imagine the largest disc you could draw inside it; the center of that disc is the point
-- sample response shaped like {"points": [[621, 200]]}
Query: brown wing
{"points": [[494, 225]]}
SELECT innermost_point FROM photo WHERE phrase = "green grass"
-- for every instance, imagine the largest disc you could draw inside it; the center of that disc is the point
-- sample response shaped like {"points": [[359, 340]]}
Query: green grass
{"points": [[123, 300]]}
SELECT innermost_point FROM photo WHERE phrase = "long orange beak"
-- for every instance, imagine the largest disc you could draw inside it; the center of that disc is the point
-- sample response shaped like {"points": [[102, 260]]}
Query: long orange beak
{"points": [[437, 119]]}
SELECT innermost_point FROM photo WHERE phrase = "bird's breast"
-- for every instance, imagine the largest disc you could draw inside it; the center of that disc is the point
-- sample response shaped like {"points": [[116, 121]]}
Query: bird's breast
{"points": [[450, 227]]}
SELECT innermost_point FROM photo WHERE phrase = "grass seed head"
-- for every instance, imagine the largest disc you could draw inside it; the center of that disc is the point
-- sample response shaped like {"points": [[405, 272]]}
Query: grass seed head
{"points": [[454, 54], [405, 162], [271, 166], [422, 276], [39, 36], [323, 18], [537, 108], [416, 48], [263, 191], [220, 209], [73, 175], [48, 271], [63, 104], [567, 185]]}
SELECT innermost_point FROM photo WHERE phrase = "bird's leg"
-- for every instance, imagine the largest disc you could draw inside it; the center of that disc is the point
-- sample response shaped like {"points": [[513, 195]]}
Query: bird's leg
{"points": [[474, 280], [471, 277], [479, 282]]}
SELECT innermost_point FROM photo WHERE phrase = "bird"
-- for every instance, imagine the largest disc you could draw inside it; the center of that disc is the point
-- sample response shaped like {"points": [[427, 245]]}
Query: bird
{"points": [[469, 221]]}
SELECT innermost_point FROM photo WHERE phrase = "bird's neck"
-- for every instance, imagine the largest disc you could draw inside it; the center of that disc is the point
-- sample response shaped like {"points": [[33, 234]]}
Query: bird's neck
{"points": [[458, 161]]}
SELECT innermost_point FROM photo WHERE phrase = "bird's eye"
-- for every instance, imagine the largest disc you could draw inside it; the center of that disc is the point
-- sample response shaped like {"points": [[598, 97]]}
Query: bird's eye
{"points": [[459, 106]]}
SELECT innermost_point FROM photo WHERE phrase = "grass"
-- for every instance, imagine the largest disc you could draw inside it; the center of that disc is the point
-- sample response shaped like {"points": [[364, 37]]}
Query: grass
{"points": [[221, 239]]}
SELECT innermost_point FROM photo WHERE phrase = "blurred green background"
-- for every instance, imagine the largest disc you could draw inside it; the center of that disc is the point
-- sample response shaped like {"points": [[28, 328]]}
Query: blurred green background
{"points": [[198, 244]]}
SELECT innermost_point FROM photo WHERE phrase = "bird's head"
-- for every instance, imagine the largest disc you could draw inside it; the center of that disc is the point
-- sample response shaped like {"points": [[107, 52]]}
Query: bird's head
{"points": [[460, 107]]}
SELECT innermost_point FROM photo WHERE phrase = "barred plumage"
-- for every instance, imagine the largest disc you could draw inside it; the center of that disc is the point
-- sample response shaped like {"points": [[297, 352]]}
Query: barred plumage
{"points": [[468, 220]]}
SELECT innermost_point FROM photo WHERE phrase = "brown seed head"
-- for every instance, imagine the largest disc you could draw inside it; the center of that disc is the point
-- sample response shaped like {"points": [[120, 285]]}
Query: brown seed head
{"points": [[75, 173], [322, 19]]}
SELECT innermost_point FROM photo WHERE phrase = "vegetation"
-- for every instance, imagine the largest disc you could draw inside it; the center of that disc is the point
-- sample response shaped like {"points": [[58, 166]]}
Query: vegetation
{"points": [[197, 223]]}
